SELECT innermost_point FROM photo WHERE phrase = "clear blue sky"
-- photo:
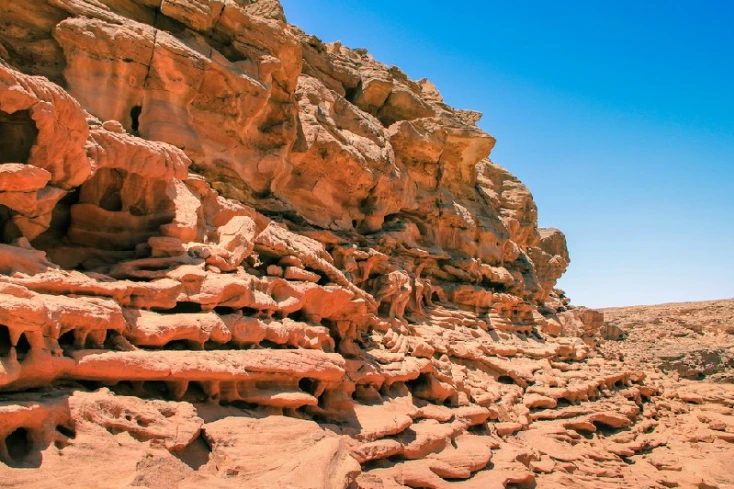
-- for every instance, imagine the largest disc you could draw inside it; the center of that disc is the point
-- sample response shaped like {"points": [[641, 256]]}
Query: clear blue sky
{"points": [[619, 117]]}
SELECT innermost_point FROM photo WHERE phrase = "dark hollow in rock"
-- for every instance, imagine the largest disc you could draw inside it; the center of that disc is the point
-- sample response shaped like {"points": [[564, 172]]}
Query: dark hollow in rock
{"points": [[18, 133]]}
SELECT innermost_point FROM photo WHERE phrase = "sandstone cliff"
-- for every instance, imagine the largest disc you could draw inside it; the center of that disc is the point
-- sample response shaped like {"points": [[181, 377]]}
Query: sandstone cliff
{"points": [[233, 255]]}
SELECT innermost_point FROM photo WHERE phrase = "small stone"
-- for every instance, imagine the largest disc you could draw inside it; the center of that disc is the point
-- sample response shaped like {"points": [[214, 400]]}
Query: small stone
{"points": [[274, 271]]}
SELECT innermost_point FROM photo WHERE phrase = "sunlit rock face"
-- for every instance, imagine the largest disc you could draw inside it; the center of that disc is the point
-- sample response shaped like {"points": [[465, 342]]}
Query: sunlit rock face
{"points": [[233, 254]]}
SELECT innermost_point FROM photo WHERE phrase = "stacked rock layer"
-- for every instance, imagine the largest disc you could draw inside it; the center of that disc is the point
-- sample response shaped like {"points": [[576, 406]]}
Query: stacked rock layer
{"points": [[235, 256]]}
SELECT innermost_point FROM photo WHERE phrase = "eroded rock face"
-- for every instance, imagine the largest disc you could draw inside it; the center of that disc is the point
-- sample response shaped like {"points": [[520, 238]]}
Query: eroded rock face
{"points": [[232, 253]]}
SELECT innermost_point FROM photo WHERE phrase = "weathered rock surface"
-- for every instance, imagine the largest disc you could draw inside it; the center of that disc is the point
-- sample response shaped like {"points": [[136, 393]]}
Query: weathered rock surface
{"points": [[694, 340], [231, 254]]}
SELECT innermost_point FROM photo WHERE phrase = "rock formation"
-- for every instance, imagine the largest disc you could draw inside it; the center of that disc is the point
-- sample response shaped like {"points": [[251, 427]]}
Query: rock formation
{"points": [[235, 256], [691, 340]]}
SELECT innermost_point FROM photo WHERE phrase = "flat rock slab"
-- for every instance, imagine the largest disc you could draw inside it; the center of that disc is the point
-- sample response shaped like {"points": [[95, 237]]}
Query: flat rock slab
{"points": [[280, 452]]}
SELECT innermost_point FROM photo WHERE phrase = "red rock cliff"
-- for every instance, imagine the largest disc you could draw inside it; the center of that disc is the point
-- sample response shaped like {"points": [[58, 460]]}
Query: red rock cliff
{"points": [[233, 254]]}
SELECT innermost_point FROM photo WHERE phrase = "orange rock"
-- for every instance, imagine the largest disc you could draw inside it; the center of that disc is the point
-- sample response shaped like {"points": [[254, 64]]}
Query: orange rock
{"points": [[234, 254]]}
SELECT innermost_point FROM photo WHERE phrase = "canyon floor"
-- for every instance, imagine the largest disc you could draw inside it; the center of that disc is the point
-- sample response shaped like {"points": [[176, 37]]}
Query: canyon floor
{"points": [[670, 423]]}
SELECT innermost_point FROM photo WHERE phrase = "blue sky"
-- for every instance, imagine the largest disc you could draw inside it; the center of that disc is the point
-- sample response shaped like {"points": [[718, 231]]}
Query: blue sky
{"points": [[619, 117]]}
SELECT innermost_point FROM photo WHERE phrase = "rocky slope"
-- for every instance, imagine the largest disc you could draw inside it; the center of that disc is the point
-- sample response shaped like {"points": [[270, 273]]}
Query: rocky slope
{"points": [[691, 340], [233, 255]]}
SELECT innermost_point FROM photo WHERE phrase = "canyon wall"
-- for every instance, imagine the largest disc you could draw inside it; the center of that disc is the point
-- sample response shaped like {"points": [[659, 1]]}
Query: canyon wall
{"points": [[234, 255]]}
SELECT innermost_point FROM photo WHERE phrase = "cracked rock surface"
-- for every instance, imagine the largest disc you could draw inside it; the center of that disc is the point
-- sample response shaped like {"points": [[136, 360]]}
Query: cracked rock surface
{"points": [[232, 255]]}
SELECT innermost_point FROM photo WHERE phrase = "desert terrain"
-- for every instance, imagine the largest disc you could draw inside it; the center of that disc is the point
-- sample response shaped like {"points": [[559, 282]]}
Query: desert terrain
{"points": [[233, 255]]}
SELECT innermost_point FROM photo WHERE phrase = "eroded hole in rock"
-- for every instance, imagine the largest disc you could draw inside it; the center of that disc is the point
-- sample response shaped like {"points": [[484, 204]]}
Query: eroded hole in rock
{"points": [[8, 230], [23, 347], [214, 345], [18, 133], [135, 118], [177, 345], [308, 385], [113, 340], [18, 444], [112, 198], [324, 280], [66, 340], [182, 307], [497, 288], [479, 429], [223, 310], [505, 379], [379, 463], [119, 210], [450, 401], [627, 460], [298, 315], [4, 341], [91, 385], [155, 388], [323, 404], [395, 389], [124, 388], [60, 222], [195, 392], [300, 412], [419, 384], [226, 49], [319, 418], [352, 92], [333, 332], [67, 432], [196, 454], [249, 312], [605, 429], [588, 435], [168, 24], [245, 406]]}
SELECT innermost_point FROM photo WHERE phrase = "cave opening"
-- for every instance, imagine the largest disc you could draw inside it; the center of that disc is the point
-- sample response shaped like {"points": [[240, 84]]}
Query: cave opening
{"points": [[182, 308], [111, 198], [135, 118], [60, 222], [8, 230], [155, 388], [195, 392], [308, 386], [177, 345], [18, 134], [18, 444], [23, 347], [604, 429], [422, 383], [4, 341], [299, 316], [67, 340], [224, 310], [505, 379]]}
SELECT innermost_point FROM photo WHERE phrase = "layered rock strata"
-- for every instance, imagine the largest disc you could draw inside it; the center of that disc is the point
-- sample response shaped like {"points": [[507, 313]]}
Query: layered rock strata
{"points": [[233, 254]]}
